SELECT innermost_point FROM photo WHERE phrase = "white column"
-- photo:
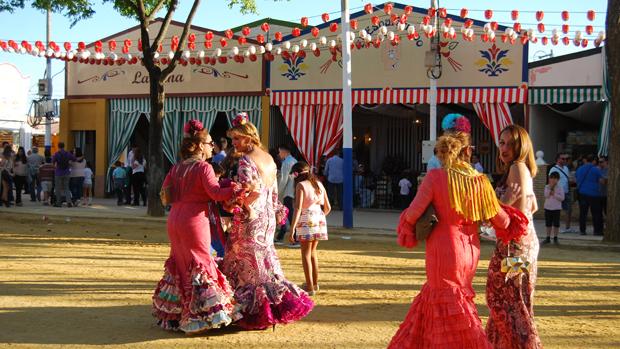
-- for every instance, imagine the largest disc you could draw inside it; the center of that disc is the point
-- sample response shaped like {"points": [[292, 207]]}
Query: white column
{"points": [[48, 123], [347, 120]]}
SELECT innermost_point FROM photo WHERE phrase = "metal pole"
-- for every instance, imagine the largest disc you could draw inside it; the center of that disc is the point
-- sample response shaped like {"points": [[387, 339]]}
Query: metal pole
{"points": [[433, 86], [48, 123], [347, 120]]}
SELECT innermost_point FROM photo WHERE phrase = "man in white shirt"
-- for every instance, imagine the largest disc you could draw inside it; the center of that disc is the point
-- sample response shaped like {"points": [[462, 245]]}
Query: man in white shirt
{"points": [[405, 191], [560, 167], [286, 187]]}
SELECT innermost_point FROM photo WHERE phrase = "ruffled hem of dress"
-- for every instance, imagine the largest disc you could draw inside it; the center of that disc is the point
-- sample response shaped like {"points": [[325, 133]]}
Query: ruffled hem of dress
{"points": [[204, 304], [441, 318], [276, 302]]}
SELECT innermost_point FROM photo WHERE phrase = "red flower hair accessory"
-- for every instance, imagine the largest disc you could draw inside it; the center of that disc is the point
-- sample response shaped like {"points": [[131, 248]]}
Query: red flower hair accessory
{"points": [[240, 119], [193, 126]]}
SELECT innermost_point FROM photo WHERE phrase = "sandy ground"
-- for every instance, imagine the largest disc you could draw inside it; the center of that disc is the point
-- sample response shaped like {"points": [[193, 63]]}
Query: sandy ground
{"points": [[88, 283]]}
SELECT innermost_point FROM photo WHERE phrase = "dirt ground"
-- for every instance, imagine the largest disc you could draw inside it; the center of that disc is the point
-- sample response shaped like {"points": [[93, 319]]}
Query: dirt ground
{"points": [[87, 283]]}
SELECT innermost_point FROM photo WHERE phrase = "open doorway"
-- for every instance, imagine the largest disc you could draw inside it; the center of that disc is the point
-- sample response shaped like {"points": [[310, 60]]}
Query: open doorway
{"points": [[140, 136]]}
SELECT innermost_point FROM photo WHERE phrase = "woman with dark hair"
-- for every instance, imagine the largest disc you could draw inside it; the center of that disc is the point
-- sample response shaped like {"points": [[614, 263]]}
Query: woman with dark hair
{"points": [[76, 178], [443, 314], [193, 295], [21, 174], [138, 177], [6, 170], [250, 263], [309, 225], [510, 295]]}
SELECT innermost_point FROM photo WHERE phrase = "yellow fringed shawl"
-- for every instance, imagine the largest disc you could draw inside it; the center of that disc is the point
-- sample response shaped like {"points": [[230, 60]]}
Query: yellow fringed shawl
{"points": [[471, 193]]}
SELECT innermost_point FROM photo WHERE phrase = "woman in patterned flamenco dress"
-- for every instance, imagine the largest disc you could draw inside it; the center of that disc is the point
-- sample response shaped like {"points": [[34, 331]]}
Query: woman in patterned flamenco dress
{"points": [[193, 295], [250, 262], [443, 315], [510, 296]]}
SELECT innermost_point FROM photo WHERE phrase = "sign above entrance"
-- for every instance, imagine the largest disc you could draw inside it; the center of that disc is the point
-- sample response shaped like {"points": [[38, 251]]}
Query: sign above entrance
{"points": [[85, 80]]}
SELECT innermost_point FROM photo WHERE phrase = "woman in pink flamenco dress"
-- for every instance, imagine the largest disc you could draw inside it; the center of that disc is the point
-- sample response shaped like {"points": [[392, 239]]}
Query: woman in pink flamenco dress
{"points": [[443, 315], [250, 262], [510, 296], [193, 295]]}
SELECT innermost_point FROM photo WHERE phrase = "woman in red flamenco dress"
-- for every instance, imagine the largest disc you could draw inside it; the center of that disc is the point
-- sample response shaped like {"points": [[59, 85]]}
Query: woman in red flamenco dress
{"points": [[443, 315], [193, 295]]}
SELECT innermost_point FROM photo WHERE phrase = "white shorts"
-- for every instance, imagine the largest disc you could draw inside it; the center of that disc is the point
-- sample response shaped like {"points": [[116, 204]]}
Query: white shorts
{"points": [[46, 186], [88, 185]]}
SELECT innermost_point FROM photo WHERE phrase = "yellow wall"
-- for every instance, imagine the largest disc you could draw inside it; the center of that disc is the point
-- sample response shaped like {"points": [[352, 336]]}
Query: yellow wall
{"points": [[87, 115], [264, 131]]}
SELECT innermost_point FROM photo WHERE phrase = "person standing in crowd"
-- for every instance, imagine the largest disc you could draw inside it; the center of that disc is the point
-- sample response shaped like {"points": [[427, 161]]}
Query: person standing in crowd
{"points": [[119, 176], [589, 178], [286, 188], [21, 174], [250, 263], [220, 151], [443, 314], [510, 296], [309, 225], [138, 178], [603, 164], [560, 166], [76, 178], [88, 185], [193, 296], [554, 195], [475, 161], [46, 176], [433, 162], [62, 160], [129, 169], [334, 168], [35, 161], [6, 167], [405, 190]]}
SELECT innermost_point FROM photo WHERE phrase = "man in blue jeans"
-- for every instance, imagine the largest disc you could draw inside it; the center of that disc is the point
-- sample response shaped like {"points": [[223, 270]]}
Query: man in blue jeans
{"points": [[286, 188], [62, 160], [589, 178], [334, 168]]}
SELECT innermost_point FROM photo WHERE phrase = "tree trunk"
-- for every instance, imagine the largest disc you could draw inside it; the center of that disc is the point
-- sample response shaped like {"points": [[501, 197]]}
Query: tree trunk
{"points": [[156, 172], [612, 49]]}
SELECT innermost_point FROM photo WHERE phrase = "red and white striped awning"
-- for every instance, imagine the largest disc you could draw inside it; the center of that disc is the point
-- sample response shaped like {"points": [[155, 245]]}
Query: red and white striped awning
{"points": [[404, 96]]}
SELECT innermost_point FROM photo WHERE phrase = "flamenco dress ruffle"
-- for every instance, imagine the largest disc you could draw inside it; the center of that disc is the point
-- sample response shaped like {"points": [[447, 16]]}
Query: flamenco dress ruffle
{"points": [[203, 303], [441, 318], [276, 302]]}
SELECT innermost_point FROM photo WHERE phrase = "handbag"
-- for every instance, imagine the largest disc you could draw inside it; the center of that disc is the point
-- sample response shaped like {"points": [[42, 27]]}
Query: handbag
{"points": [[165, 196], [425, 224]]}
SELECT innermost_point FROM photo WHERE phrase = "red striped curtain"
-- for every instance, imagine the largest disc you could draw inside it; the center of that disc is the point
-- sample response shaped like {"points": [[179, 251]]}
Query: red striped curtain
{"points": [[495, 116], [300, 122], [316, 129], [328, 129]]}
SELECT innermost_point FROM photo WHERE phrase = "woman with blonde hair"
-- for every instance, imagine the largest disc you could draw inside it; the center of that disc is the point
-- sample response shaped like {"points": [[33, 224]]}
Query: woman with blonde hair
{"points": [[443, 314], [250, 262], [193, 295], [510, 294]]}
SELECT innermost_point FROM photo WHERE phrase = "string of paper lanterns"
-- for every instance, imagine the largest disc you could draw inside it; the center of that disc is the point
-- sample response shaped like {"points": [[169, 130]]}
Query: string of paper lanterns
{"points": [[247, 48]]}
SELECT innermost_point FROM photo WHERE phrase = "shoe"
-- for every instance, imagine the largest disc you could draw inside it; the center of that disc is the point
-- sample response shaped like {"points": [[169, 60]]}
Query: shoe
{"points": [[278, 242], [305, 288], [19, 204], [69, 204], [316, 288], [555, 240], [295, 245], [547, 240]]}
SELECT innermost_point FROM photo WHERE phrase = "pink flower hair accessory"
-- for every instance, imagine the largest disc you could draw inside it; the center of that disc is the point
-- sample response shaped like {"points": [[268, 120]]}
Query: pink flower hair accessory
{"points": [[241, 119], [193, 126]]}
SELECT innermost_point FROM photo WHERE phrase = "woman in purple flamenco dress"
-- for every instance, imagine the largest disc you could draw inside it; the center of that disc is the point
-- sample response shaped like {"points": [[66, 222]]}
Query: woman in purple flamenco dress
{"points": [[193, 295], [250, 263]]}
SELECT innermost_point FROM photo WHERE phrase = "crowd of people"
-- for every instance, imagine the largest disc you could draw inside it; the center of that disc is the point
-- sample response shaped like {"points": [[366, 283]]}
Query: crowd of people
{"points": [[130, 176], [64, 177]]}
